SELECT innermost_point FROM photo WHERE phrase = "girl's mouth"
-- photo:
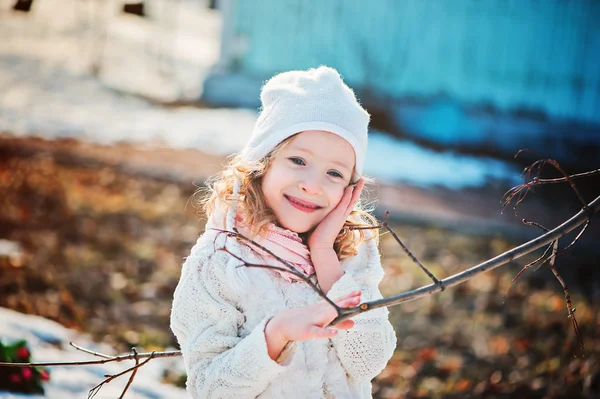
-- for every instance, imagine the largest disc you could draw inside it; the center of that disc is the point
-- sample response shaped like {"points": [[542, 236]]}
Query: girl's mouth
{"points": [[304, 206]]}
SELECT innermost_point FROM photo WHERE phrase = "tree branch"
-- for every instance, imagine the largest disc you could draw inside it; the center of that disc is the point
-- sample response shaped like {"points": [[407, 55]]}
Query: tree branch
{"points": [[580, 218], [120, 358]]}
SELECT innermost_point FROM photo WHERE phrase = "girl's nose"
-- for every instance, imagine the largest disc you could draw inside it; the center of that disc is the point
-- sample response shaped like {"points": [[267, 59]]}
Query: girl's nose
{"points": [[310, 185]]}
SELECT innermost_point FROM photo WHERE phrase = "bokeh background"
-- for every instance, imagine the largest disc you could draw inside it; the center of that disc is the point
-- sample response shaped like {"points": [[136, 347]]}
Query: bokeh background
{"points": [[113, 112]]}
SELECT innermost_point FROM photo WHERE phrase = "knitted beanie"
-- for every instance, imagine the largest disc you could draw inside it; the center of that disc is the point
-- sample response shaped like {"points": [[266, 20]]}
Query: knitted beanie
{"points": [[316, 99]]}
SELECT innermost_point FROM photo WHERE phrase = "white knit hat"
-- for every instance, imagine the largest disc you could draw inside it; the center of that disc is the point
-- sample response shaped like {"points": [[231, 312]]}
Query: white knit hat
{"points": [[316, 99]]}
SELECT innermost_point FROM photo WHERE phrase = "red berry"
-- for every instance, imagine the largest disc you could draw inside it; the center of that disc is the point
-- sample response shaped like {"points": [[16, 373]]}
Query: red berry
{"points": [[27, 373], [44, 375], [15, 378], [23, 353]]}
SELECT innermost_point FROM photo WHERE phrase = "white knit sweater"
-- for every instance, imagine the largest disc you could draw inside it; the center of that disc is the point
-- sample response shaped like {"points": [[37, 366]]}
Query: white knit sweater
{"points": [[219, 314]]}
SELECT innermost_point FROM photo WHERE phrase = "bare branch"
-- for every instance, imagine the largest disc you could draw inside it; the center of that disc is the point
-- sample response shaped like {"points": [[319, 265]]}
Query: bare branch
{"points": [[527, 266], [570, 308], [410, 254], [135, 370], [385, 225], [90, 351], [289, 268], [121, 358], [94, 391], [577, 220], [340, 311], [522, 190]]}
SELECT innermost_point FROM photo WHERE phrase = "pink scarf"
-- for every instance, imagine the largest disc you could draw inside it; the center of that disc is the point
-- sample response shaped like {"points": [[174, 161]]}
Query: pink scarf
{"points": [[284, 243]]}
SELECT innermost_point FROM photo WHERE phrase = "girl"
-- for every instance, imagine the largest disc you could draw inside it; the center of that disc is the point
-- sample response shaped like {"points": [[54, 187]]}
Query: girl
{"points": [[262, 333]]}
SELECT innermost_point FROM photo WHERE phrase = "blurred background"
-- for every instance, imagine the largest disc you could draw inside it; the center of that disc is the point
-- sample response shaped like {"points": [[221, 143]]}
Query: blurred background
{"points": [[113, 112]]}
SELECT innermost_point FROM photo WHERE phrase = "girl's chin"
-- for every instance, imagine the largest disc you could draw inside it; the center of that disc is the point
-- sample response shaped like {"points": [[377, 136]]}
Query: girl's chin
{"points": [[299, 228]]}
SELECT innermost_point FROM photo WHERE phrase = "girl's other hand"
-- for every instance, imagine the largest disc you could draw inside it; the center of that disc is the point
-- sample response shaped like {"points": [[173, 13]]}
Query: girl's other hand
{"points": [[308, 322], [327, 231]]}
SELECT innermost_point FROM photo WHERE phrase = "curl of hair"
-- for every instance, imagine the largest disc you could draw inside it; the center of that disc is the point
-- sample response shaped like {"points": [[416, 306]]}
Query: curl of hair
{"points": [[256, 213]]}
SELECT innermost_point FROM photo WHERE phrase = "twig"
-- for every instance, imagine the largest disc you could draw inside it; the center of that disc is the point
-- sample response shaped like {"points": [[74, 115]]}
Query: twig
{"points": [[564, 179], [121, 358], [577, 220], [570, 308], [340, 311], [289, 268], [379, 226], [410, 254], [527, 266], [386, 225], [579, 196], [522, 190], [134, 372], [94, 391], [90, 351]]}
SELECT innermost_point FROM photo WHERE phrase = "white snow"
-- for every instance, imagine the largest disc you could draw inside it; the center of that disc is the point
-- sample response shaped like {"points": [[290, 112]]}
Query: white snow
{"points": [[392, 160], [49, 341]]}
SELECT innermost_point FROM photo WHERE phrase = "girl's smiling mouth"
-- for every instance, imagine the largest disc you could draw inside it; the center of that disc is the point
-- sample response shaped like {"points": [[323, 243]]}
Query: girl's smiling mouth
{"points": [[301, 205]]}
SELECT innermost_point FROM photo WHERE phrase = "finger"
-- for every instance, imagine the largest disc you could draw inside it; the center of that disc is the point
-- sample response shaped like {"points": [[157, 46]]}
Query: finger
{"points": [[346, 199], [320, 332], [346, 303], [343, 325], [342, 206], [351, 294], [355, 195]]}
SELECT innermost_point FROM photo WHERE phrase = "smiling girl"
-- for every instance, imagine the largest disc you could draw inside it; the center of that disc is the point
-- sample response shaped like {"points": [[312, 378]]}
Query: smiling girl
{"points": [[294, 189]]}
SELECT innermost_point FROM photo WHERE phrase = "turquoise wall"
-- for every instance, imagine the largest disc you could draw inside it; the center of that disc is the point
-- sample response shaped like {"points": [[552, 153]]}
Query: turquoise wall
{"points": [[536, 55]]}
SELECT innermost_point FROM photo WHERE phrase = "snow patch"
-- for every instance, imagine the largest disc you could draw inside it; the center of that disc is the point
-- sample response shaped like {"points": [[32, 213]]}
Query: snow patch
{"points": [[49, 341]]}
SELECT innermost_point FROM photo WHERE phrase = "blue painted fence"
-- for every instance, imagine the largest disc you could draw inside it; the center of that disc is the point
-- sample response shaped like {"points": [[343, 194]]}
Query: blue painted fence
{"points": [[536, 55]]}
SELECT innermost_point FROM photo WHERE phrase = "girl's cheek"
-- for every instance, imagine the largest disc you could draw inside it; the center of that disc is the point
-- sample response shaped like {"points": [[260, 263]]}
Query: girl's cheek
{"points": [[338, 194]]}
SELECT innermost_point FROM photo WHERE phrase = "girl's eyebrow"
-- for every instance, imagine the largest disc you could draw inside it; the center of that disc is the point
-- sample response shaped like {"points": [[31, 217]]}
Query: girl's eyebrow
{"points": [[302, 149]]}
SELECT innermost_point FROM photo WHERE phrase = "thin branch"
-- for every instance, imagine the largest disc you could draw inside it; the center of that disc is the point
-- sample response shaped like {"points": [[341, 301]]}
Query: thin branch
{"points": [[570, 308], [527, 266], [522, 190], [577, 220], [340, 311], [94, 391], [379, 226], [385, 225], [564, 179], [289, 267], [576, 238], [579, 196], [410, 254], [79, 348], [552, 259], [251, 242], [121, 358], [134, 372]]}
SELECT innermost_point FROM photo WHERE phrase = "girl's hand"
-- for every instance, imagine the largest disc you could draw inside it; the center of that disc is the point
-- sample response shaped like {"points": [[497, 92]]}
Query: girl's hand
{"points": [[327, 231], [308, 322]]}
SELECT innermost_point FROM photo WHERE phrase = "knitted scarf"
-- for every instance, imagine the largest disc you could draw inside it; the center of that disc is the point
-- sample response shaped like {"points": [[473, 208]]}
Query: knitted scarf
{"points": [[285, 244]]}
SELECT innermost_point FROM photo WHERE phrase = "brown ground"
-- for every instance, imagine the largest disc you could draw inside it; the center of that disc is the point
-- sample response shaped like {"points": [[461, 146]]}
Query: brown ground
{"points": [[94, 238]]}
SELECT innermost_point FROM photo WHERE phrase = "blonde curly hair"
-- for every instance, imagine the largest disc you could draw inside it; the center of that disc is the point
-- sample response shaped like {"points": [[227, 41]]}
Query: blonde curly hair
{"points": [[256, 212]]}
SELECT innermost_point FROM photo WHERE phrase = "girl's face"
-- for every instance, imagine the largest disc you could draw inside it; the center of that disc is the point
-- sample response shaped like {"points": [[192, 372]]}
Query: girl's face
{"points": [[306, 179]]}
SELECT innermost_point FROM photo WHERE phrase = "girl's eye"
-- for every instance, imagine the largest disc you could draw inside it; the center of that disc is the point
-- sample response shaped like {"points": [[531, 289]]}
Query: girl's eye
{"points": [[297, 161], [335, 174]]}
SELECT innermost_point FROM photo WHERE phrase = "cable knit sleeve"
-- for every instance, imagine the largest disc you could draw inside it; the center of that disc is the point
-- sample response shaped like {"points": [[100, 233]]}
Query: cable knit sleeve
{"points": [[206, 322], [365, 349]]}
